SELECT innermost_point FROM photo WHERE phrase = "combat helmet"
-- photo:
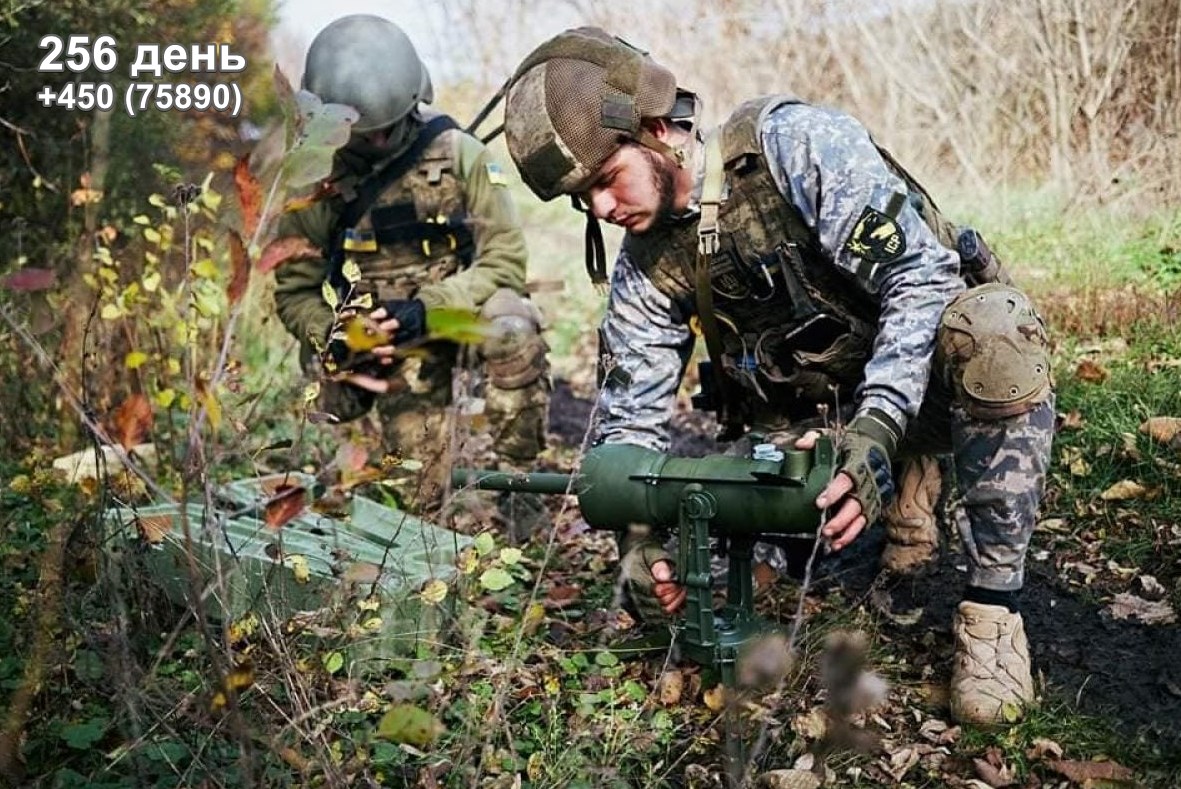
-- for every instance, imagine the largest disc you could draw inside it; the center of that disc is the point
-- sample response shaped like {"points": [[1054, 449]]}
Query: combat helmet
{"points": [[575, 100], [369, 63]]}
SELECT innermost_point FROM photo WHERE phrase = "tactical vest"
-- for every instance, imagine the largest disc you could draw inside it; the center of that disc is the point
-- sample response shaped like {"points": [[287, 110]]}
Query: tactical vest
{"points": [[794, 329], [416, 230]]}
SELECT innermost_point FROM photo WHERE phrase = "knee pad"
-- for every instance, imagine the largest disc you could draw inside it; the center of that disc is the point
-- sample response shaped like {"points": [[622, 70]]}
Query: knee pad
{"points": [[994, 353], [514, 353]]}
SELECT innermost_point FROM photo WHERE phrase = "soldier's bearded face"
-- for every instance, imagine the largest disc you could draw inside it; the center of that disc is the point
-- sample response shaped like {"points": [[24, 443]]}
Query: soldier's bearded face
{"points": [[635, 189]]}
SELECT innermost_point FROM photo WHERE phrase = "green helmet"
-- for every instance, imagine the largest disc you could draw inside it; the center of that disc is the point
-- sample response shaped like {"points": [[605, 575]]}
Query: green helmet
{"points": [[368, 63], [574, 101]]}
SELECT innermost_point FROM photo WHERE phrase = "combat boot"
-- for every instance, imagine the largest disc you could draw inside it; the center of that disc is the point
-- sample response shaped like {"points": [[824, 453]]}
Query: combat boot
{"points": [[991, 681], [912, 534]]}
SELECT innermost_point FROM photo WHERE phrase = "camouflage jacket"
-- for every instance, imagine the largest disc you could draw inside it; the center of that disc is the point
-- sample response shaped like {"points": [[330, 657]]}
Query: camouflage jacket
{"points": [[827, 170], [479, 187]]}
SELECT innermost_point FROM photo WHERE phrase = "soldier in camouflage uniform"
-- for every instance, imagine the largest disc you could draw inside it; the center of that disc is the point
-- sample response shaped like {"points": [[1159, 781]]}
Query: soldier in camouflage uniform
{"points": [[424, 211], [819, 273]]}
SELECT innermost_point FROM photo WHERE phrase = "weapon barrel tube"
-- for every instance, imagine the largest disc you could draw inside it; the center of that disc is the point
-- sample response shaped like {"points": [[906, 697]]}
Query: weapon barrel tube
{"points": [[519, 482], [623, 484]]}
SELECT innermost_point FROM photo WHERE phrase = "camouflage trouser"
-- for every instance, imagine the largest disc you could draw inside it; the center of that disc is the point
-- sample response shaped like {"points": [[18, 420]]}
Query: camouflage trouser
{"points": [[504, 428], [486, 406], [1000, 445]]}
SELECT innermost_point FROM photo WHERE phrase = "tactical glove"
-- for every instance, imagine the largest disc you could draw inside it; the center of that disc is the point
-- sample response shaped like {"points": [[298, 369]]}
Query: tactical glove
{"points": [[638, 584], [864, 453], [411, 317]]}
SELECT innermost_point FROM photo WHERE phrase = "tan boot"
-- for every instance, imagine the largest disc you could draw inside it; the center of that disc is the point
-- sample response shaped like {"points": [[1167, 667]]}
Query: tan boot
{"points": [[912, 535], [991, 681]]}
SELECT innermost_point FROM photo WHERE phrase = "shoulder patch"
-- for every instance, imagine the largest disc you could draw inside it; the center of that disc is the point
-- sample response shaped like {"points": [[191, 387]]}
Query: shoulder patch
{"points": [[496, 175], [876, 237]]}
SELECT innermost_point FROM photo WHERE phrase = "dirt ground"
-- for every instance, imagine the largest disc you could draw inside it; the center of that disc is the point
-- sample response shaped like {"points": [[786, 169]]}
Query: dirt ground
{"points": [[1124, 672]]}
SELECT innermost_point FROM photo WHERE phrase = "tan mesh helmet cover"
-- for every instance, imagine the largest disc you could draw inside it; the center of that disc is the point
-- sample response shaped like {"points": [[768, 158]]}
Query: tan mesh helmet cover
{"points": [[573, 101]]}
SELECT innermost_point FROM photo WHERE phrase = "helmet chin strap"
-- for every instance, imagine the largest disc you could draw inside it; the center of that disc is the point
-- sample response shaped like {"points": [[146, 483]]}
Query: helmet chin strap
{"points": [[594, 248]]}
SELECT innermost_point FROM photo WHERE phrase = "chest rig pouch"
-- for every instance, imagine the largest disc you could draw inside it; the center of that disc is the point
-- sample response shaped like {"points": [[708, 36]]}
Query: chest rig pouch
{"points": [[407, 224], [791, 330]]}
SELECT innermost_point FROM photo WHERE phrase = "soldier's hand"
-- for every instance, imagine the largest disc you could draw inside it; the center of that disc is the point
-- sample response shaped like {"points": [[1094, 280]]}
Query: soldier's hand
{"points": [[848, 521], [670, 594]]}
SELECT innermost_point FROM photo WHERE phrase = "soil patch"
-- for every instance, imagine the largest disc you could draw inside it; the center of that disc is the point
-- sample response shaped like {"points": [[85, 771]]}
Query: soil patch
{"points": [[1123, 672]]}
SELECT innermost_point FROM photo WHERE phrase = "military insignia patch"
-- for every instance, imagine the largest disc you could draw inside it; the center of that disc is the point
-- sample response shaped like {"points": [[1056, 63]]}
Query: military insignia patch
{"points": [[496, 175], [876, 237], [359, 240]]}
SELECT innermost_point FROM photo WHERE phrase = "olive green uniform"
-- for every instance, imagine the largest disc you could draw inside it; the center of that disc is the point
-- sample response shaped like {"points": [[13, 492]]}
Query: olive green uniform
{"points": [[454, 182]]}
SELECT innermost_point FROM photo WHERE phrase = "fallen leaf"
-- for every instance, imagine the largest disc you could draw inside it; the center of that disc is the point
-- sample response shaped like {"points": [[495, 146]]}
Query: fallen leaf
{"points": [[1044, 749], [1124, 490], [407, 723], [993, 769], [670, 686], [299, 568], [362, 573], [249, 195], [29, 279], [240, 268], [283, 249], [1162, 429], [434, 591], [133, 420], [1082, 772], [560, 596], [811, 725], [1091, 372], [788, 779], [1072, 421], [715, 698], [1151, 588], [898, 763], [154, 528], [288, 502], [1129, 606]]}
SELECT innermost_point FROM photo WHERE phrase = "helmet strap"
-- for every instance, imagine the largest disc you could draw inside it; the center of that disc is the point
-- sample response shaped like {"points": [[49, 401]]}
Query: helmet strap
{"points": [[596, 252]]}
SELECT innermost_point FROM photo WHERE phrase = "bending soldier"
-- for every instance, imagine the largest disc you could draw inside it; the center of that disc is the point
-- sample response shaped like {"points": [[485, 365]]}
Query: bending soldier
{"points": [[819, 273], [424, 211]]}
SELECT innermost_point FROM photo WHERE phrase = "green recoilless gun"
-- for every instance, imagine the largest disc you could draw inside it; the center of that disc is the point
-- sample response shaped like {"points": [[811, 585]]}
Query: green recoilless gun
{"points": [[735, 499]]}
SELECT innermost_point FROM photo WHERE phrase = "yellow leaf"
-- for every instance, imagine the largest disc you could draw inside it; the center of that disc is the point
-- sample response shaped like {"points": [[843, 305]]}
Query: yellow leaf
{"points": [[715, 698], [205, 268], [152, 235], [364, 334], [311, 392], [510, 556], [534, 617], [468, 562], [409, 724], [369, 604], [351, 271], [435, 591], [329, 294], [211, 199], [141, 219], [151, 281], [1123, 490], [110, 312], [299, 568], [212, 407], [372, 624], [242, 629], [535, 767], [174, 366], [157, 200], [135, 360], [165, 398]]}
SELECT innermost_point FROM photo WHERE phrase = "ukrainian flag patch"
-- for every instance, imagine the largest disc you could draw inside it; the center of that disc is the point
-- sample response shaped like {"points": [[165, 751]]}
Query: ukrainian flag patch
{"points": [[496, 175]]}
